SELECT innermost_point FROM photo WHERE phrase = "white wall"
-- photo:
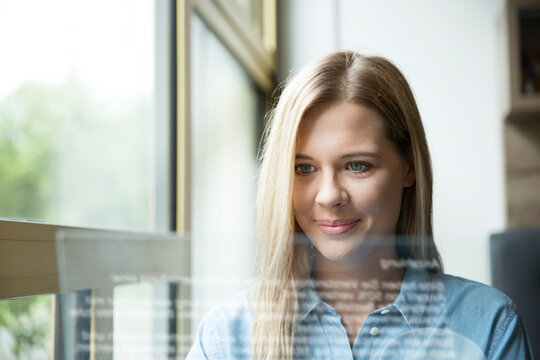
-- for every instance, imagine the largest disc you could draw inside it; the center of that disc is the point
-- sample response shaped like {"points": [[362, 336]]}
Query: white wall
{"points": [[447, 49]]}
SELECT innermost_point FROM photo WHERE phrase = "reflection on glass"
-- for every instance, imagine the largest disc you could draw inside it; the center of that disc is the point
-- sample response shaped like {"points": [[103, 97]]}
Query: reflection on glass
{"points": [[26, 328], [142, 312], [76, 112], [73, 315]]}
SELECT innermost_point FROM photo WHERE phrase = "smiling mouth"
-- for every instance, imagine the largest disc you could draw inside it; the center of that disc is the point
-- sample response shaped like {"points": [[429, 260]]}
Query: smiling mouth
{"points": [[336, 227]]}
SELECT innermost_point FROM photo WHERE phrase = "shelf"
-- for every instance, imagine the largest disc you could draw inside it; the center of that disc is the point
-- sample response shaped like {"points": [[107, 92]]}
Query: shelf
{"points": [[521, 60]]}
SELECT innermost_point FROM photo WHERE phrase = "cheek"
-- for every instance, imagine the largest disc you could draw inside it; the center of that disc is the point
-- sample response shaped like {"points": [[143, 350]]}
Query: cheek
{"points": [[380, 196], [302, 200]]}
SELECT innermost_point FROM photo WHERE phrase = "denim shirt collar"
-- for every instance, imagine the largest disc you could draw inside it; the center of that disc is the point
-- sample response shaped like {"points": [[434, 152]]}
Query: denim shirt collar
{"points": [[411, 301], [413, 296]]}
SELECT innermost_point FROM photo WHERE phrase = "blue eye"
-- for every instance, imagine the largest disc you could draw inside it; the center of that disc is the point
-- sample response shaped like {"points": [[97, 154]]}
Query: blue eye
{"points": [[356, 166], [303, 169]]}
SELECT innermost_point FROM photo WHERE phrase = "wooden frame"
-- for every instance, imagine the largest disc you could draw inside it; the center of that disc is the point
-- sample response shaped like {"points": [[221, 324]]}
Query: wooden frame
{"points": [[253, 49]]}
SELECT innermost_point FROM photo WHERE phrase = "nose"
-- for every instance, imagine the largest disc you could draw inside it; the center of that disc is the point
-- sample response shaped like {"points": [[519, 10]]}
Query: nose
{"points": [[331, 193]]}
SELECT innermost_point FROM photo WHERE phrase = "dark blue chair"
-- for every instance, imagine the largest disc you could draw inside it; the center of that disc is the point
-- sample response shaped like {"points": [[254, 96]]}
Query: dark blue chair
{"points": [[515, 270]]}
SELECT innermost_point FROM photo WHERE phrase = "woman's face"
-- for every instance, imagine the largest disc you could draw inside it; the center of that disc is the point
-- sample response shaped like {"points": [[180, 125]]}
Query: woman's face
{"points": [[349, 179]]}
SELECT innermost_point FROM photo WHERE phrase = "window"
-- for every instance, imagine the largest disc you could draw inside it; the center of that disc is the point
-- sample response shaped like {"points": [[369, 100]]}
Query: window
{"points": [[103, 131], [72, 95]]}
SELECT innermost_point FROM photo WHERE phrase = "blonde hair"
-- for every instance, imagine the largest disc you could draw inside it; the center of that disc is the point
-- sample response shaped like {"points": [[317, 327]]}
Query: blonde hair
{"points": [[282, 262]]}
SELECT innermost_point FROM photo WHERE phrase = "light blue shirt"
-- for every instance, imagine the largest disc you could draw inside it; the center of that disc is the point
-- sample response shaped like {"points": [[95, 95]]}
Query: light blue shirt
{"points": [[434, 317]]}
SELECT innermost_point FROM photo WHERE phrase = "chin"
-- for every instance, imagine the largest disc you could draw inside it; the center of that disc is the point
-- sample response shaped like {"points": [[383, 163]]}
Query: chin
{"points": [[342, 257], [343, 253], [347, 250]]}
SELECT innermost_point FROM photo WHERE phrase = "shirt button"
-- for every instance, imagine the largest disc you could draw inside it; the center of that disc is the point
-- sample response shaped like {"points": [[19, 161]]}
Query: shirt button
{"points": [[374, 331], [385, 311]]}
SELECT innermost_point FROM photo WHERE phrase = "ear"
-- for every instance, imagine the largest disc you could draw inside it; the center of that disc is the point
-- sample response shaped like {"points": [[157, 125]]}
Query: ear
{"points": [[410, 176]]}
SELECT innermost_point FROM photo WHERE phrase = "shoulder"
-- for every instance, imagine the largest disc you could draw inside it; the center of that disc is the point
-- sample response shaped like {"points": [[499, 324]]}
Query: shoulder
{"points": [[468, 303], [225, 331], [231, 309], [459, 292], [229, 317], [479, 312]]}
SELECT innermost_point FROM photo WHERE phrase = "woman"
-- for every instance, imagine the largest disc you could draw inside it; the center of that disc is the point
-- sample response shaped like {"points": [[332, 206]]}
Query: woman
{"points": [[345, 166]]}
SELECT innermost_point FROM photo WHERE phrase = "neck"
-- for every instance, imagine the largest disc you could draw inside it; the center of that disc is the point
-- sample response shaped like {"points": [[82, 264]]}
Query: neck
{"points": [[362, 279], [359, 270], [353, 287]]}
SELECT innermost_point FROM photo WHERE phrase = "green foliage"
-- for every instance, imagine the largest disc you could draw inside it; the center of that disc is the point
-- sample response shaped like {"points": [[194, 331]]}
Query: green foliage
{"points": [[26, 154], [67, 158], [28, 325]]}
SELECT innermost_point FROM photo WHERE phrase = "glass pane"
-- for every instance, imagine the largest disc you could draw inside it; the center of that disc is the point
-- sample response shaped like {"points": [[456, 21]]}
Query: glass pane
{"points": [[77, 113], [225, 118], [26, 328], [142, 313], [131, 305]]}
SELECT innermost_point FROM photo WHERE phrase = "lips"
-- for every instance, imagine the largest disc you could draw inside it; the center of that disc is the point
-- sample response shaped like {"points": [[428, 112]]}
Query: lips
{"points": [[336, 227]]}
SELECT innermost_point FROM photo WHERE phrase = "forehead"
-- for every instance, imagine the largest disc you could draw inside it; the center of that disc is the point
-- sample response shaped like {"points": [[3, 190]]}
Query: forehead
{"points": [[339, 125]]}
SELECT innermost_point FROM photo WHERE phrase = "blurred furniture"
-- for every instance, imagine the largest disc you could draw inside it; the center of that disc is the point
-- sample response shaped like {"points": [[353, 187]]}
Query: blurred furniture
{"points": [[519, 72], [520, 59], [515, 270]]}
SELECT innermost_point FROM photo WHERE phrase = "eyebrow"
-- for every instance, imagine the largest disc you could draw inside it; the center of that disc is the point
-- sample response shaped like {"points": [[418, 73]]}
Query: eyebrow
{"points": [[345, 156]]}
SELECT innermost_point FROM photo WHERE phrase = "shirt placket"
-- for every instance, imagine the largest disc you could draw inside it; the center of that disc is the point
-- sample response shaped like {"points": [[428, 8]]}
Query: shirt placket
{"points": [[369, 334], [336, 336], [380, 334]]}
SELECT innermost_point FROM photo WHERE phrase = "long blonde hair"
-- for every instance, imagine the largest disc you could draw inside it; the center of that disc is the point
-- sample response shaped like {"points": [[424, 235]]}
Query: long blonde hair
{"points": [[283, 263]]}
